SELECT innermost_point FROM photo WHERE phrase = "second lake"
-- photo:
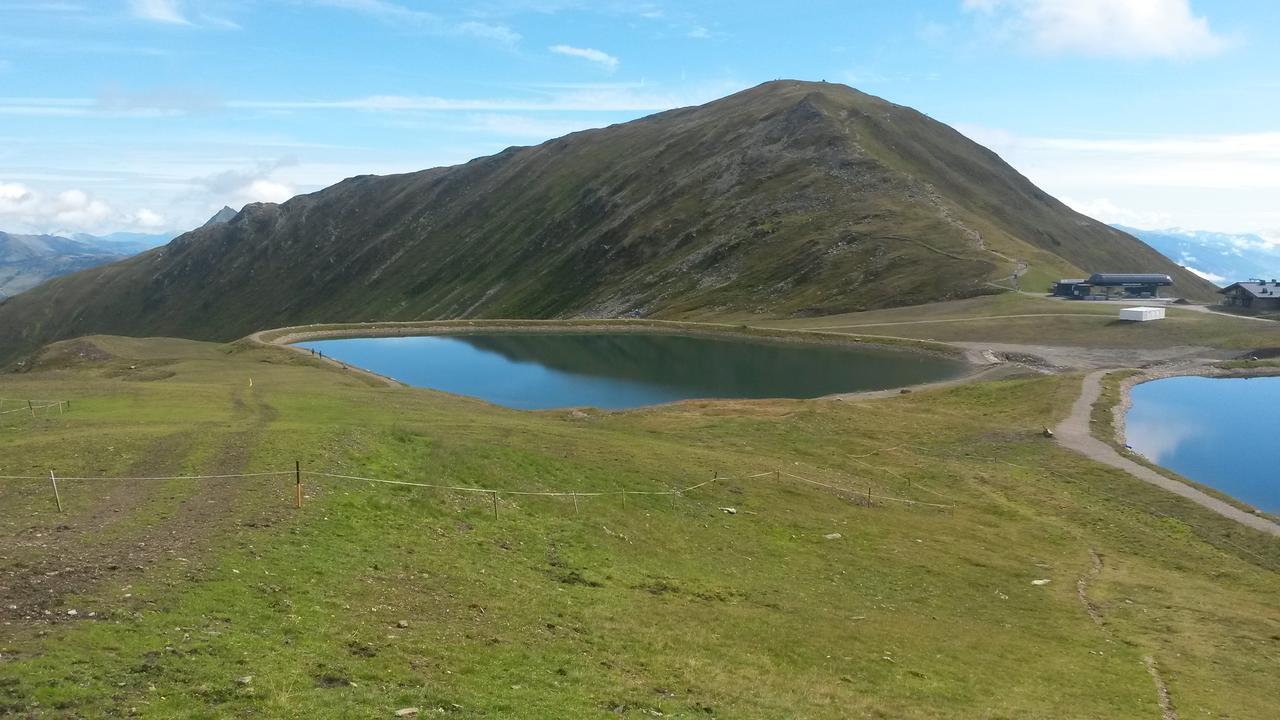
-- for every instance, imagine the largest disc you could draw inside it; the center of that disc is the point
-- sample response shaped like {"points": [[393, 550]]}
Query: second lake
{"points": [[1220, 432]]}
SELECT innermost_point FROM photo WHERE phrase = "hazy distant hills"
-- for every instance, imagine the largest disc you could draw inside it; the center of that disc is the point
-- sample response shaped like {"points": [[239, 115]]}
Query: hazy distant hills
{"points": [[1223, 258], [28, 260], [125, 242], [788, 198]]}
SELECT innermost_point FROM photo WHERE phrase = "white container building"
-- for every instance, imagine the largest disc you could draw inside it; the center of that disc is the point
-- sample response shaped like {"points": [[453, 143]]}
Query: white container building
{"points": [[1142, 314]]}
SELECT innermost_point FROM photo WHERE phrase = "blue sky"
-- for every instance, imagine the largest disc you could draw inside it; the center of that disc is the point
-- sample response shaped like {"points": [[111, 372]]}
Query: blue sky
{"points": [[152, 114]]}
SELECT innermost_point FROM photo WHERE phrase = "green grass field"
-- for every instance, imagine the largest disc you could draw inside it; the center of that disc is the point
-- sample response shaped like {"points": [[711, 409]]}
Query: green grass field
{"points": [[1023, 319], [217, 598]]}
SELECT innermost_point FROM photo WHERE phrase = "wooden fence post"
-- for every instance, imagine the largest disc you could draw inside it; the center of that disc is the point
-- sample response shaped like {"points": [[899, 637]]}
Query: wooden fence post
{"points": [[297, 485], [575, 503], [56, 497], [31, 408], [495, 504]]}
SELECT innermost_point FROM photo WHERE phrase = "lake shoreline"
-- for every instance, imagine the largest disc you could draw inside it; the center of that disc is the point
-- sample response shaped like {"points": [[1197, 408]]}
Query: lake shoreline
{"points": [[285, 336], [1120, 410], [290, 338], [1119, 418]]}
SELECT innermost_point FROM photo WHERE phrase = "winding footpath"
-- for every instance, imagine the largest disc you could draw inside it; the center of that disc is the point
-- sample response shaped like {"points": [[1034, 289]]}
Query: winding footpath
{"points": [[1074, 433]]}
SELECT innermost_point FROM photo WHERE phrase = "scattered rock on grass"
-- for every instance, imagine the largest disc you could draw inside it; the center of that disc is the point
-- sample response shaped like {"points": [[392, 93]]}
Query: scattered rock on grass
{"points": [[729, 510], [407, 712], [1040, 582], [832, 536]]}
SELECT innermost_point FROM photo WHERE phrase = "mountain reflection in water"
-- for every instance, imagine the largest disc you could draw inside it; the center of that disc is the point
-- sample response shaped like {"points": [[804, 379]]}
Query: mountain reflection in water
{"points": [[621, 370]]}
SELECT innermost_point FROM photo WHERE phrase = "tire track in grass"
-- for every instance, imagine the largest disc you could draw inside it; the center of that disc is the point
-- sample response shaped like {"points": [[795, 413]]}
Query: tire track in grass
{"points": [[1163, 697], [128, 527]]}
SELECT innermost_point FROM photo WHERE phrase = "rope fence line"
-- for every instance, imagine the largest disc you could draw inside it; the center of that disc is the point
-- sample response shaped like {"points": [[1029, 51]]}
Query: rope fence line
{"points": [[868, 495], [31, 406], [910, 483], [24, 401], [298, 473], [184, 477], [536, 493]]}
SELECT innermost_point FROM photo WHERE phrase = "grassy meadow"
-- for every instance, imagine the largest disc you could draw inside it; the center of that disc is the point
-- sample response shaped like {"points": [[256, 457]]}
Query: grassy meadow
{"points": [[217, 598], [1023, 319]]}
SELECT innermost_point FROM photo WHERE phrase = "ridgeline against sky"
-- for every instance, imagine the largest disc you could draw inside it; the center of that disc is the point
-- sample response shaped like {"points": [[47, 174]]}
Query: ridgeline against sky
{"points": [[149, 115], [792, 197]]}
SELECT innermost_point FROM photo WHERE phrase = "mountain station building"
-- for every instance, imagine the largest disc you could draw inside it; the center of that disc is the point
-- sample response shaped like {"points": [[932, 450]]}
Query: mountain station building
{"points": [[1252, 294], [1102, 286]]}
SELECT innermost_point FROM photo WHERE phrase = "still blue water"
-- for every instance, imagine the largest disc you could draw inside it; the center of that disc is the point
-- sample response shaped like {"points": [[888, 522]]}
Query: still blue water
{"points": [[1220, 432], [624, 370]]}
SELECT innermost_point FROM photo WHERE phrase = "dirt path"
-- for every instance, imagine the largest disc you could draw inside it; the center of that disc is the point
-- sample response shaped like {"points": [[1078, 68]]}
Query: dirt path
{"points": [[1087, 358], [55, 557], [1074, 433], [956, 320], [1210, 311]]}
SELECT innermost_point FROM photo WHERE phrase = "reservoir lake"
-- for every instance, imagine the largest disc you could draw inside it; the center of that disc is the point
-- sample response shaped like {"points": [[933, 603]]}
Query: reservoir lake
{"points": [[625, 370], [1219, 432]]}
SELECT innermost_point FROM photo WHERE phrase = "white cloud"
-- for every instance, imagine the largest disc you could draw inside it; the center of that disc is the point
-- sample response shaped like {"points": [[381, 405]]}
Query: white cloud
{"points": [[1226, 183], [596, 56], [24, 209], [1215, 279], [147, 219], [423, 21], [163, 11], [601, 97], [263, 190], [1239, 161], [1109, 212], [240, 186], [486, 31], [1104, 28]]}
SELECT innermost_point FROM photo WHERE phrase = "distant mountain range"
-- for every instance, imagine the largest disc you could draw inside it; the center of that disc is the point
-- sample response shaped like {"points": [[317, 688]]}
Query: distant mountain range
{"points": [[1221, 258], [28, 260], [791, 198]]}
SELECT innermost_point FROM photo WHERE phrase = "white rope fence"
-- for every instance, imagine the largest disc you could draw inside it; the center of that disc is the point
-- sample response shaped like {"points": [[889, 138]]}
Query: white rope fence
{"points": [[298, 473], [31, 406]]}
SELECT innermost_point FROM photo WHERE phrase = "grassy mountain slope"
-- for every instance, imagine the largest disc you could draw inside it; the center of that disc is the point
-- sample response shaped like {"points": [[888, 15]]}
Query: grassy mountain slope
{"points": [[789, 198], [181, 587]]}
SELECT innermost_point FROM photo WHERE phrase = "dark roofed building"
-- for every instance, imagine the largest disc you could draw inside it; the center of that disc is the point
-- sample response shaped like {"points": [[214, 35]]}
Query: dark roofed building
{"points": [[1252, 294], [1101, 285], [1072, 288], [1126, 280]]}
